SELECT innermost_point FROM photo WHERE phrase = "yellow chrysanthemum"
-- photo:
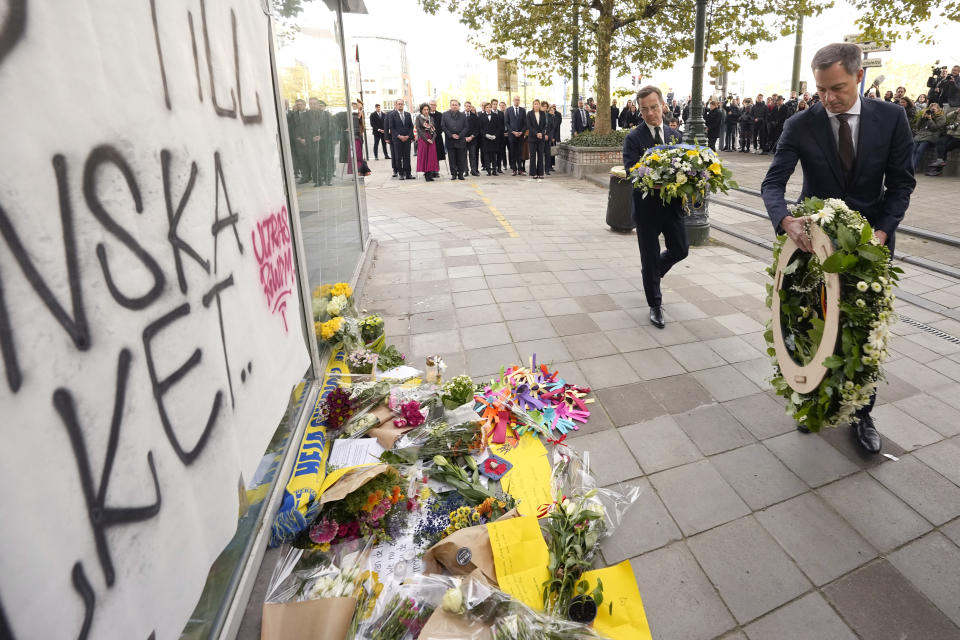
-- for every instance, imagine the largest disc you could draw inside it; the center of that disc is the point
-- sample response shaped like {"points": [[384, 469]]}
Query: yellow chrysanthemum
{"points": [[325, 290], [655, 157], [692, 152], [342, 289], [715, 168], [329, 328]]}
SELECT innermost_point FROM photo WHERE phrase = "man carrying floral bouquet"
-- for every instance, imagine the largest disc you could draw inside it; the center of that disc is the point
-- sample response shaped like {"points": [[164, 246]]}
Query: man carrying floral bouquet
{"points": [[859, 151], [651, 215]]}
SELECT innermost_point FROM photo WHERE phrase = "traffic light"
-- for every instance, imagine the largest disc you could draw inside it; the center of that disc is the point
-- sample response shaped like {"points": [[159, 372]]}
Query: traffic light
{"points": [[633, 80]]}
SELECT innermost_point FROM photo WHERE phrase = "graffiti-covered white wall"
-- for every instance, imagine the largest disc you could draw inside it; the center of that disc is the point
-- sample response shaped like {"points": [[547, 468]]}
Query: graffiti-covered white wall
{"points": [[150, 327]]}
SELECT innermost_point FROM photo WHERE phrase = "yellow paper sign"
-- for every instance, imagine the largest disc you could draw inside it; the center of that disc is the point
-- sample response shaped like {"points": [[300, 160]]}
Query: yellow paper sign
{"points": [[628, 620], [520, 557], [529, 479]]}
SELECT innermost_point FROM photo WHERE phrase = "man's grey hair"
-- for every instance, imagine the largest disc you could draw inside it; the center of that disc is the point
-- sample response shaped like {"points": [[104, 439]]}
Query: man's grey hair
{"points": [[848, 55]]}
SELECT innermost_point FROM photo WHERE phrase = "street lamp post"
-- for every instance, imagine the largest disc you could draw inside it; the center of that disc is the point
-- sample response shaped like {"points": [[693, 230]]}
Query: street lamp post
{"points": [[698, 222]]}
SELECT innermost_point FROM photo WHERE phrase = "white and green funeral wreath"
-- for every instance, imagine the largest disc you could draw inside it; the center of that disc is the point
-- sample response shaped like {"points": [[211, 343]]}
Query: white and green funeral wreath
{"points": [[831, 314]]}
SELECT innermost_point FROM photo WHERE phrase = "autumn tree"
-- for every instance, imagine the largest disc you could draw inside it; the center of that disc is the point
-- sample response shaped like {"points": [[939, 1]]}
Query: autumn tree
{"points": [[619, 35], [892, 20]]}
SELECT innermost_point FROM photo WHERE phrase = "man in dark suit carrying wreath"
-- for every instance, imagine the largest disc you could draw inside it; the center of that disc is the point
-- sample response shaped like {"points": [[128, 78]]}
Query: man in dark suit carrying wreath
{"points": [[858, 151]]}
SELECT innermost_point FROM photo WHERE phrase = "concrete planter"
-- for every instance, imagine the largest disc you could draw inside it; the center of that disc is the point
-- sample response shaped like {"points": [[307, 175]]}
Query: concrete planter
{"points": [[582, 161]]}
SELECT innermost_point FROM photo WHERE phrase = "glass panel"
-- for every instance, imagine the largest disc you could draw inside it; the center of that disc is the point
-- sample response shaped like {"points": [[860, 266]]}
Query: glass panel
{"points": [[222, 582], [310, 68]]}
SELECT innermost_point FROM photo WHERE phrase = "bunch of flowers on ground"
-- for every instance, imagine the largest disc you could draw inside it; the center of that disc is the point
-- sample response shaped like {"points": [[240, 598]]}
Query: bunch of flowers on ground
{"points": [[866, 314], [373, 510], [681, 171]]}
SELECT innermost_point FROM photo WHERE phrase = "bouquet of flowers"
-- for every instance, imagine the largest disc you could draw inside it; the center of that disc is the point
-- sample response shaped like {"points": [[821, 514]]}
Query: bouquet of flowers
{"points": [[390, 357], [467, 485], [404, 618], [337, 331], [371, 331], [866, 313], [376, 509], [362, 361], [681, 171], [455, 437], [457, 392], [573, 527]]}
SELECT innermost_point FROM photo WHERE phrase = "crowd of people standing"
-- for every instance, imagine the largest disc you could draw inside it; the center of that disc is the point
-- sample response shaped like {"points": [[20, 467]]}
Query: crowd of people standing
{"points": [[494, 138], [499, 136]]}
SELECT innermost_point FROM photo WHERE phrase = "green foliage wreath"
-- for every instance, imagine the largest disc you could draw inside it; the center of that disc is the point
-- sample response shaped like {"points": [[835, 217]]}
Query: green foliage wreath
{"points": [[866, 313]]}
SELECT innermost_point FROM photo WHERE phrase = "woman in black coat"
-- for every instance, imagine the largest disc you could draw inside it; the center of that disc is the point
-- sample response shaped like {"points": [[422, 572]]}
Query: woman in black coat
{"points": [[554, 138], [629, 117], [491, 131], [714, 120], [538, 128]]}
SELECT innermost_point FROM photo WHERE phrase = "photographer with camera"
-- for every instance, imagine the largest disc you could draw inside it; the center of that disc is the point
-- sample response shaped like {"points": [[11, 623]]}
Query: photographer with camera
{"points": [[926, 131], [945, 87], [947, 142]]}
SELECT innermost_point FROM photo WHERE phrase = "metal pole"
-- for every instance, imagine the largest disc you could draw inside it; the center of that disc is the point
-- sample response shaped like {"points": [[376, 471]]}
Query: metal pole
{"points": [[797, 52], [698, 223]]}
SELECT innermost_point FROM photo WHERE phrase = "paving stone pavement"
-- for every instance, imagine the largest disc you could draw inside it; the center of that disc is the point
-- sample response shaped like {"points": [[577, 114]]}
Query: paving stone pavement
{"points": [[745, 528]]}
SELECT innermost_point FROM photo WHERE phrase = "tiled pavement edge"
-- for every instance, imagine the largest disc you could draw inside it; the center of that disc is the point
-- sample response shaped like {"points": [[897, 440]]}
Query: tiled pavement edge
{"points": [[745, 528]]}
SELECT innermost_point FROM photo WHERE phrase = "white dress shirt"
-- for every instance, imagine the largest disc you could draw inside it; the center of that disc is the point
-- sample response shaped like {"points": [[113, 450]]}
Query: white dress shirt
{"points": [[653, 132], [853, 121]]}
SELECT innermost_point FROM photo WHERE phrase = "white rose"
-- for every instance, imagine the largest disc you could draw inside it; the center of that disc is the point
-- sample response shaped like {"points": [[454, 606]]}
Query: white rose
{"points": [[452, 601], [681, 178]]}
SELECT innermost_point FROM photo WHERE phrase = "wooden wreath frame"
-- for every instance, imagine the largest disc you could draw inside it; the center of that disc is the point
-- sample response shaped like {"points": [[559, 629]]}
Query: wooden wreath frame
{"points": [[806, 378]]}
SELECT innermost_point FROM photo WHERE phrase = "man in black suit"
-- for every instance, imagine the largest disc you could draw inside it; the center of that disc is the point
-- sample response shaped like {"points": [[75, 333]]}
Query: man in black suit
{"points": [[400, 131], [379, 132], [321, 140], [296, 121], [515, 124], [455, 127], [856, 150], [472, 138], [759, 113], [581, 119], [651, 216]]}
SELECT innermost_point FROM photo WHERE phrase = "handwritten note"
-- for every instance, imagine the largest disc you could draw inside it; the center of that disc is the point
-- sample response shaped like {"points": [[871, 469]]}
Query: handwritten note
{"points": [[520, 557], [628, 620], [529, 479]]}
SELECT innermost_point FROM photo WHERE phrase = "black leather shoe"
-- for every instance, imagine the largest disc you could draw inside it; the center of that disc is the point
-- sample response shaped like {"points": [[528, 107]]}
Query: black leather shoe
{"points": [[867, 435], [802, 429], [656, 317]]}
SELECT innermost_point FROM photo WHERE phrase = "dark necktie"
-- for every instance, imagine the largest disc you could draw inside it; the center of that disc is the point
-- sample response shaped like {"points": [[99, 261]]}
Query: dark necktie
{"points": [[846, 144], [656, 138]]}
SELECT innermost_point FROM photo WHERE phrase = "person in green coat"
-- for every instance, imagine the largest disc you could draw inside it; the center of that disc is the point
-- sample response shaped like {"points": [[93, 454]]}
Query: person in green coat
{"points": [[927, 127]]}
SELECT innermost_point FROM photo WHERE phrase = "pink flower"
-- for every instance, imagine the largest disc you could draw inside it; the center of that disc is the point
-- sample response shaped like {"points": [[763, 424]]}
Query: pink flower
{"points": [[411, 412], [324, 531]]}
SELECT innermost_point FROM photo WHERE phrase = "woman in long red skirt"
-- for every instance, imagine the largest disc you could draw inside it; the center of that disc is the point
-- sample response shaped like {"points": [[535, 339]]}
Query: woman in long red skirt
{"points": [[426, 144]]}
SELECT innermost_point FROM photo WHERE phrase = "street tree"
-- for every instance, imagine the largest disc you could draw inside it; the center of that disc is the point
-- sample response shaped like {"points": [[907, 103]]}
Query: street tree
{"points": [[626, 36], [892, 20]]}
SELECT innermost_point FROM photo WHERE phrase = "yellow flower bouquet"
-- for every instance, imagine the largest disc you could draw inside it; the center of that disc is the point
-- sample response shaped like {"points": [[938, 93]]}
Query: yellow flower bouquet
{"points": [[681, 171]]}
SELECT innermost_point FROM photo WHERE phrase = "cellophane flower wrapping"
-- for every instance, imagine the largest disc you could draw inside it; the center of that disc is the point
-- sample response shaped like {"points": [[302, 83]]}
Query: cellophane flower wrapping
{"points": [[580, 517]]}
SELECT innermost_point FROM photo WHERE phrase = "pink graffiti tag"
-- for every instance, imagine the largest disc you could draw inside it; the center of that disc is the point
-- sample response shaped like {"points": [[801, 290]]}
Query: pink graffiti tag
{"points": [[274, 253]]}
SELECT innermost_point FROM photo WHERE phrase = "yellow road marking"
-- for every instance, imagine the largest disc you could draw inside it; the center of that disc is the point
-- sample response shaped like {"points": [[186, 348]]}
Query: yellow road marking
{"points": [[496, 212]]}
